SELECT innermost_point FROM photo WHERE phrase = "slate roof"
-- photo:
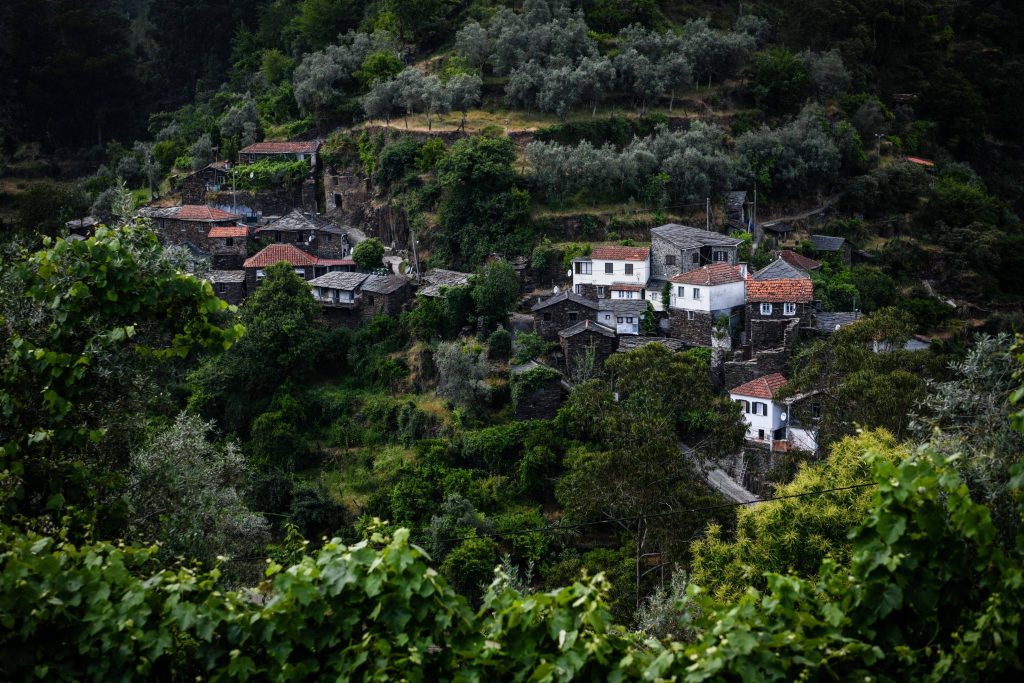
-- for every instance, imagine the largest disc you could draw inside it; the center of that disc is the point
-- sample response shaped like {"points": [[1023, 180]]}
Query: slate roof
{"points": [[280, 252], [299, 147], [630, 342], [799, 260], [713, 274], [585, 326], [297, 221], [779, 269], [228, 231], [564, 296], [688, 237], [827, 242], [778, 226], [621, 253], [226, 276], [735, 200], [384, 284], [826, 322], [339, 280], [762, 387], [436, 278], [780, 291], [623, 307]]}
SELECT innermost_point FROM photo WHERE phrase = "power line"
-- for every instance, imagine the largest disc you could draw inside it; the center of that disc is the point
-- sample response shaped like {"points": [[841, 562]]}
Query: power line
{"points": [[622, 520]]}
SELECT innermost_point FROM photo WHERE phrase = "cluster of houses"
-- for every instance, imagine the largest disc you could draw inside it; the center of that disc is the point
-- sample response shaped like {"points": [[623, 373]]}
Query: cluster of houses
{"points": [[691, 285]]}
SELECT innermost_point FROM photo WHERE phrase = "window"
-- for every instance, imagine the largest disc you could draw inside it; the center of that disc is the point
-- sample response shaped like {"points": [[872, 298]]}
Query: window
{"points": [[277, 236], [330, 237], [689, 315], [670, 259], [815, 410], [745, 404], [259, 275], [682, 292], [629, 269], [618, 320], [695, 258], [629, 321], [607, 316], [572, 316], [789, 309], [760, 435], [584, 267], [229, 241], [609, 268], [579, 289], [369, 299], [601, 292], [766, 309], [221, 288], [696, 293], [547, 317], [760, 408], [719, 256]]}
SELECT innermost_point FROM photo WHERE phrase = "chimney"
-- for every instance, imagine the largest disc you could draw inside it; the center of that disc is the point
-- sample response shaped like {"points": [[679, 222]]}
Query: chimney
{"points": [[743, 269]]}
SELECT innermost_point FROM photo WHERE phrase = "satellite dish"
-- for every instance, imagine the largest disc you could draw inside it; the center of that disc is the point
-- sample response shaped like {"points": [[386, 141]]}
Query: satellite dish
{"points": [[783, 417], [555, 290], [568, 273]]}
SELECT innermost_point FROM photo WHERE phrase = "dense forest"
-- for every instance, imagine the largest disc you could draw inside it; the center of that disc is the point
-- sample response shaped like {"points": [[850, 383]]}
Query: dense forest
{"points": [[195, 489]]}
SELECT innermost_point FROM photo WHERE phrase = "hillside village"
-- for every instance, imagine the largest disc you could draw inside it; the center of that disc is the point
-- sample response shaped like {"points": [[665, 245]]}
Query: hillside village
{"points": [[550, 340]]}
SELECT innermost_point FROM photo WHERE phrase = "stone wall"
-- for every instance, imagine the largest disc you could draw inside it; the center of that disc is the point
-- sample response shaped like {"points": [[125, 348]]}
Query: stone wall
{"points": [[371, 304], [273, 202], [737, 372], [770, 331], [696, 332], [232, 292], [575, 347], [542, 403], [548, 322]]}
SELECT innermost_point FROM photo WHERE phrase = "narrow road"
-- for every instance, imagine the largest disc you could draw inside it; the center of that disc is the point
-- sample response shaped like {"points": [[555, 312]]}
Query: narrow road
{"points": [[718, 479]]}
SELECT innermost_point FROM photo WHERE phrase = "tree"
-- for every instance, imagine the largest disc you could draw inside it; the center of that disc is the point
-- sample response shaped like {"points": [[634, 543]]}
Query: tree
{"points": [[638, 77], [189, 495], [649, 321], [369, 254], [436, 98], [240, 127], [461, 370], [826, 74], [779, 81], [382, 101], [202, 153], [409, 91], [378, 67], [464, 94], [495, 291], [320, 21], [276, 66], [472, 43], [92, 326]]}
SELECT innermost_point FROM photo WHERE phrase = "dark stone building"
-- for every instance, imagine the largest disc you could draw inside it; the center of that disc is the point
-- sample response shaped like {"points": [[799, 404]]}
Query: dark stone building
{"points": [[384, 295], [188, 225], [437, 279], [543, 402], [229, 285], [299, 150], [313, 234], [228, 246], [827, 244], [561, 311], [577, 339], [680, 248], [214, 178], [777, 295]]}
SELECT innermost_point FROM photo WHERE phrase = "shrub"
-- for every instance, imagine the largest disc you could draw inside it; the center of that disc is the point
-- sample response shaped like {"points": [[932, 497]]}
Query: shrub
{"points": [[499, 344]]}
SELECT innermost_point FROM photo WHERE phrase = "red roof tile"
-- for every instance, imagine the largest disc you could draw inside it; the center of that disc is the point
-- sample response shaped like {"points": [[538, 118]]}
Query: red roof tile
{"points": [[228, 231], [780, 291], [276, 253], [282, 148], [799, 260], [921, 162], [762, 387], [335, 262], [621, 287], [198, 212], [621, 253], [714, 274]]}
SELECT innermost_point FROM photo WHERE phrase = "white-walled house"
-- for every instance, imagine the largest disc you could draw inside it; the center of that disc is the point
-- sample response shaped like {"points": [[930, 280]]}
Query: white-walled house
{"points": [[612, 272], [762, 413], [700, 298]]}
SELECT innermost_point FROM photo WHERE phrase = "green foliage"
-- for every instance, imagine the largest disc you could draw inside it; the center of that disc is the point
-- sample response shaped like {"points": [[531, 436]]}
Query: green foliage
{"points": [[369, 254], [527, 346], [470, 566], [397, 160], [649, 321], [268, 174], [378, 67], [525, 383], [499, 344], [430, 154], [495, 291], [778, 80], [44, 207]]}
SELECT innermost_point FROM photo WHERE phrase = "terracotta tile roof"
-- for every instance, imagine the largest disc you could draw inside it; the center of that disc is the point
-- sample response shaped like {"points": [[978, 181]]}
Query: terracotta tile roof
{"points": [[623, 287], [621, 253], [347, 261], [921, 162], [714, 274], [780, 291], [276, 253], [228, 231], [799, 260], [282, 147], [762, 387], [198, 212]]}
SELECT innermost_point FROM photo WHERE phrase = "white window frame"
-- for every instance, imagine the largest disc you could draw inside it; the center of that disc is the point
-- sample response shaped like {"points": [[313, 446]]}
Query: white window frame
{"points": [[719, 256], [789, 309], [696, 293], [618, 320], [689, 315], [682, 292], [584, 268], [766, 309], [601, 290]]}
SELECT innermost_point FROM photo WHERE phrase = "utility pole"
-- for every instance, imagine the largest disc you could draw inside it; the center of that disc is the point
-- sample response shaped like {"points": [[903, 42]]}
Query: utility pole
{"points": [[707, 213]]}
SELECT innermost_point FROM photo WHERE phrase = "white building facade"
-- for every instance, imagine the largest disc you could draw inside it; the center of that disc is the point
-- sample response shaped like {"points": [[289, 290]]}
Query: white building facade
{"points": [[763, 415], [597, 275]]}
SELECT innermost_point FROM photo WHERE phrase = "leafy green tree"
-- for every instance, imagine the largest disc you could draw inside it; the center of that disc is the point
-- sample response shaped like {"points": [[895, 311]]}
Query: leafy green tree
{"points": [[495, 291], [276, 66], [470, 566], [460, 370], [369, 254], [649, 321], [779, 81], [91, 327], [320, 22], [378, 67]]}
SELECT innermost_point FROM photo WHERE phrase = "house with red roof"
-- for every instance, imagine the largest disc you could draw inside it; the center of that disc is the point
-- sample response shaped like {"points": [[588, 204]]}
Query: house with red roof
{"points": [[613, 272], [762, 412], [305, 264], [701, 298], [189, 224], [228, 246], [300, 150], [780, 301]]}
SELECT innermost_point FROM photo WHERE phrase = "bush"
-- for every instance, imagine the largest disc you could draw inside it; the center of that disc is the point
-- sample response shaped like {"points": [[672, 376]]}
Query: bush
{"points": [[317, 516], [499, 344], [527, 346], [470, 567]]}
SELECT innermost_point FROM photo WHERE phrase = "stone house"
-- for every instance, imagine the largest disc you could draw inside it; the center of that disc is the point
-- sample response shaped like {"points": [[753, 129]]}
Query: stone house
{"points": [[578, 339], [798, 261], [612, 272], [229, 285], [561, 311], [436, 279], [762, 413], [702, 297], [189, 224], [214, 178], [228, 245], [384, 295], [738, 215], [777, 295], [301, 151], [827, 244], [311, 233], [305, 264], [622, 315], [679, 249], [544, 400], [338, 294]]}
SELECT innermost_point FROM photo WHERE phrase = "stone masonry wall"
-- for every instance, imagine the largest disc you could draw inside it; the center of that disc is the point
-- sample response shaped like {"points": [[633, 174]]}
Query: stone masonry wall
{"points": [[548, 322], [696, 332], [575, 347]]}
